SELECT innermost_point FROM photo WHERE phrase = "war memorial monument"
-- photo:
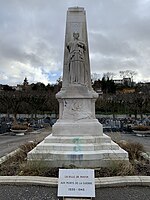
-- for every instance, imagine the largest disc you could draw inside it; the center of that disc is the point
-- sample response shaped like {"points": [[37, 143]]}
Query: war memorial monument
{"points": [[77, 137]]}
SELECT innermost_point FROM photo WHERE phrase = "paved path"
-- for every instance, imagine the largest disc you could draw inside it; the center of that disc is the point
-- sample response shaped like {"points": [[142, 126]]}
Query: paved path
{"points": [[9, 192], [145, 141], [9, 143]]}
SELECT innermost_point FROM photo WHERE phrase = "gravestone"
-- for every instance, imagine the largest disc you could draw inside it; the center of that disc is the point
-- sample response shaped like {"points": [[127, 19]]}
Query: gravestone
{"points": [[77, 137]]}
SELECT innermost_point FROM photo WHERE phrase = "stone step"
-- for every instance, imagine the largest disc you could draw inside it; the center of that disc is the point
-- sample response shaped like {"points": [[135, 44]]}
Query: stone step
{"points": [[78, 140], [77, 147], [119, 154]]}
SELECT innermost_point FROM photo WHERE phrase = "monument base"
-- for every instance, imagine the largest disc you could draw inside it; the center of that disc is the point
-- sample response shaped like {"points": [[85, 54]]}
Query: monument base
{"points": [[86, 127], [89, 151]]}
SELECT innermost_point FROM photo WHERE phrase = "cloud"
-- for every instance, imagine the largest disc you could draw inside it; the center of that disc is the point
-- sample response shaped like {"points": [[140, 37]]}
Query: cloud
{"points": [[32, 37]]}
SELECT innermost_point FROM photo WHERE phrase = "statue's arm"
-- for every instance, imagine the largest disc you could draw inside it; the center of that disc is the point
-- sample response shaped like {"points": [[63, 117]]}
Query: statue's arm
{"points": [[68, 47], [82, 45]]}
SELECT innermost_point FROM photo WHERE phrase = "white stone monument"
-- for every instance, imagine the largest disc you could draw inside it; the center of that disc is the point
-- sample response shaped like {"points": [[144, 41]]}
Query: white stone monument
{"points": [[77, 137]]}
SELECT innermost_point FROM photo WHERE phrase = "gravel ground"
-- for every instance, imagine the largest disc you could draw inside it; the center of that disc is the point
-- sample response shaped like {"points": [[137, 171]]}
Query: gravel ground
{"points": [[8, 192]]}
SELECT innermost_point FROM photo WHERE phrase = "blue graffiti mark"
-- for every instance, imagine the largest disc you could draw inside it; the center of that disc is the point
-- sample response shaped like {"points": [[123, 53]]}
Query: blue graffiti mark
{"points": [[76, 157], [77, 142], [77, 148]]}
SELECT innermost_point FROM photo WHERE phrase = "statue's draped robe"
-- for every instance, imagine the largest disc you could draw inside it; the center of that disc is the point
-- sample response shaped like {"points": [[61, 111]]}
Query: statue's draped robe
{"points": [[76, 63]]}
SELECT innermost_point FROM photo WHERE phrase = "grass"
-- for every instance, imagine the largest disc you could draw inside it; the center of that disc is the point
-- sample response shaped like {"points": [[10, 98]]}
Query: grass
{"points": [[19, 127], [141, 128], [18, 165], [116, 169], [134, 149], [11, 166]]}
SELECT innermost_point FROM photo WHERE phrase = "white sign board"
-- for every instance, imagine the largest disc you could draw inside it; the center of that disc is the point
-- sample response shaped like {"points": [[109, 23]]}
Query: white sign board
{"points": [[76, 183]]}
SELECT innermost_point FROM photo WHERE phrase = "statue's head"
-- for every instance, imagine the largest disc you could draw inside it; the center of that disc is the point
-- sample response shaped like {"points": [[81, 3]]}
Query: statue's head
{"points": [[76, 35]]}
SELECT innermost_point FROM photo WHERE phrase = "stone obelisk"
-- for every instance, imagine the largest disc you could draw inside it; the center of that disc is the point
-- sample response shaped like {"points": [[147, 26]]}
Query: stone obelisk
{"points": [[77, 137]]}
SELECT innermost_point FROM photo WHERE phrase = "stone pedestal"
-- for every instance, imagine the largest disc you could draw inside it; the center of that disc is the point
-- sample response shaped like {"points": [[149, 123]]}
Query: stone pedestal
{"points": [[77, 137], [78, 151]]}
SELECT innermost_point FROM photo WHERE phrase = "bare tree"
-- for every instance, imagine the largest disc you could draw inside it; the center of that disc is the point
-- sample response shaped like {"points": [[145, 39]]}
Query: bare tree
{"points": [[95, 77], [13, 102], [128, 74], [109, 75]]}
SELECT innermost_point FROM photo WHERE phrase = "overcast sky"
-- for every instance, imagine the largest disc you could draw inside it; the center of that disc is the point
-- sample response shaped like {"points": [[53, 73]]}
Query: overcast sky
{"points": [[32, 38]]}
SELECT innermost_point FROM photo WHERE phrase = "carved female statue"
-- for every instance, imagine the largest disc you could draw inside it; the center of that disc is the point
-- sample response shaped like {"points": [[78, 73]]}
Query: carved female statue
{"points": [[76, 60]]}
